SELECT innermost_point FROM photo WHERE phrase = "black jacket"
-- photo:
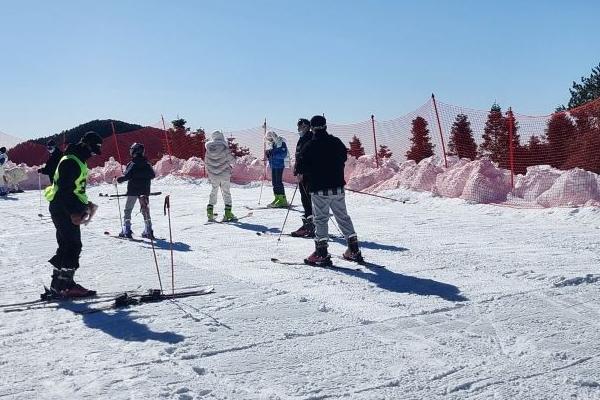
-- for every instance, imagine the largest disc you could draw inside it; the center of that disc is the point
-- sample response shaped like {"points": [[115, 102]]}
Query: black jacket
{"points": [[68, 172], [302, 142], [322, 161], [52, 163], [138, 173]]}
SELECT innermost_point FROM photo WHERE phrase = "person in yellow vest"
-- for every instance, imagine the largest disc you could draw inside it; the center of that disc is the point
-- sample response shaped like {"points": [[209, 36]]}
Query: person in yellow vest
{"points": [[69, 209]]}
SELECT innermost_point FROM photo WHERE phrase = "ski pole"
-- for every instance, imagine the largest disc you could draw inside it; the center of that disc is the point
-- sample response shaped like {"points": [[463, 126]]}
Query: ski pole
{"points": [[167, 211], [376, 195], [287, 213], [119, 205], [156, 263], [40, 189]]}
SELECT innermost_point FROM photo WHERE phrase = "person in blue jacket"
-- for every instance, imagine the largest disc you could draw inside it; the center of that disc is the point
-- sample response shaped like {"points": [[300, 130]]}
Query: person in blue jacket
{"points": [[277, 154]]}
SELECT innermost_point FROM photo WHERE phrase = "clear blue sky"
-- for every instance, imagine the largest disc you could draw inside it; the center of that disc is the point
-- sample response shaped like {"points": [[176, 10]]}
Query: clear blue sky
{"points": [[229, 64]]}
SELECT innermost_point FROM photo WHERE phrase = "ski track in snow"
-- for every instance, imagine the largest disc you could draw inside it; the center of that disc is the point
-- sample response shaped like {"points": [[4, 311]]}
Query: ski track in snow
{"points": [[475, 302]]}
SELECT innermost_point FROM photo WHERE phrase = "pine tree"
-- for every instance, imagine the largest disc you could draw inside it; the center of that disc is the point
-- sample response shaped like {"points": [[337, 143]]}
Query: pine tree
{"points": [[495, 143], [560, 132], [421, 142], [384, 152], [356, 148], [236, 149], [587, 90], [462, 143]]}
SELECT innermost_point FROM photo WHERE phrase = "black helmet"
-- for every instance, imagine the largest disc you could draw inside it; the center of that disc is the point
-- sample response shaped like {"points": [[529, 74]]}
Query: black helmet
{"points": [[303, 121], [2, 150], [318, 122], [136, 149], [93, 140], [51, 143]]}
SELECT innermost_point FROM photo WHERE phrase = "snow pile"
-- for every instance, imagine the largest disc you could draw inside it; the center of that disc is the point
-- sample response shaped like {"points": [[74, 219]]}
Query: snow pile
{"points": [[536, 181], [425, 174], [451, 182], [486, 183], [363, 173], [105, 174], [573, 187], [247, 169], [193, 167], [168, 165]]}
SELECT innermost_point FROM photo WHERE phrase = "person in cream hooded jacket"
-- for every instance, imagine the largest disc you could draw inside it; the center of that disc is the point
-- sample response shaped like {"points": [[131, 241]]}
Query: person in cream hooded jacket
{"points": [[219, 163]]}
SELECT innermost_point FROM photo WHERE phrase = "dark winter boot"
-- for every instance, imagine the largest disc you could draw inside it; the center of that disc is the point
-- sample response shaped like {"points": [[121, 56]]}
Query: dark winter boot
{"points": [[320, 257], [126, 231], [307, 229], [63, 285], [353, 253]]}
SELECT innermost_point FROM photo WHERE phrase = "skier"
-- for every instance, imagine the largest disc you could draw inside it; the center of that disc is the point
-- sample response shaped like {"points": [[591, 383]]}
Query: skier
{"points": [[3, 162], [55, 156], [138, 175], [219, 162], [308, 227], [69, 208], [322, 161], [277, 154]]}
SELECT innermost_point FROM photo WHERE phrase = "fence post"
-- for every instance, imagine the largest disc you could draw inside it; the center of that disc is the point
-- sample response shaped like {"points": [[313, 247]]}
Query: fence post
{"points": [[375, 140], [437, 115], [112, 124], [511, 147], [166, 138]]}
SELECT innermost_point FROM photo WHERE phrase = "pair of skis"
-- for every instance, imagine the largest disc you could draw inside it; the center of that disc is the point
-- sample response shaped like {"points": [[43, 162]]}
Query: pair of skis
{"points": [[115, 300], [354, 268], [233, 221]]}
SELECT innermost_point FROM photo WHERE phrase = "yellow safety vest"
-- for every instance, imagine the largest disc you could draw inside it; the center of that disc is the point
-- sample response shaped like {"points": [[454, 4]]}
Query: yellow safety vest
{"points": [[80, 182]]}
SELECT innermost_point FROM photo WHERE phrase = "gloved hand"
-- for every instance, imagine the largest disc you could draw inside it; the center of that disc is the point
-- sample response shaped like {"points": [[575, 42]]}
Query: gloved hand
{"points": [[39, 171], [268, 153], [77, 219], [120, 179]]}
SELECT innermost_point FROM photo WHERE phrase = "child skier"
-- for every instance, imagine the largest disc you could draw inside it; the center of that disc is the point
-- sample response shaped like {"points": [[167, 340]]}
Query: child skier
{"points": [[277, 154], [138, 175], [308, 227], [322, 161], [219, 162], [69, 208]]}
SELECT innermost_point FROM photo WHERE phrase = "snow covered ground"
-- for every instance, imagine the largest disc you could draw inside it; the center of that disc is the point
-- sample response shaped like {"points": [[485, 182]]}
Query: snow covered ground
{"points": [[475, 302]]}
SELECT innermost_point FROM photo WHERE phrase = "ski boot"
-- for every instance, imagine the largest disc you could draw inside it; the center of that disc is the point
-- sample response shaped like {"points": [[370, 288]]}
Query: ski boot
{"points": [[280, 201], [307, 230], [353, 253], [148, 234], [275, 200], [229, 216], [126, 232], [64, 287], [320, 257], [210, 212]]}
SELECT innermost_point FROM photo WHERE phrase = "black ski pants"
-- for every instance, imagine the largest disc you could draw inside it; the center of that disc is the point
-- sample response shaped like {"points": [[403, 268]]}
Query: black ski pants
{"points": [[68, 237], [306, 201]]}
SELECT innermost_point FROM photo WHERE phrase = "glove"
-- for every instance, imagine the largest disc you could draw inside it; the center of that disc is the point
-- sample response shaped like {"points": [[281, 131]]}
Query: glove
{"points": [[268, 154], [120, 179], [40, 170], [77, 219], [300, 178]]}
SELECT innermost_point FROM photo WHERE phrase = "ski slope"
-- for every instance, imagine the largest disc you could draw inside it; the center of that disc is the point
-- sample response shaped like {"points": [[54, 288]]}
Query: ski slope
{"points": [[474, 302]]}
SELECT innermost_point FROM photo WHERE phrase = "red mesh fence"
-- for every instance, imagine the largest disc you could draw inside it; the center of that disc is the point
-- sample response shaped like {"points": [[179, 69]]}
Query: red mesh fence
{"points": [[495, 155]]}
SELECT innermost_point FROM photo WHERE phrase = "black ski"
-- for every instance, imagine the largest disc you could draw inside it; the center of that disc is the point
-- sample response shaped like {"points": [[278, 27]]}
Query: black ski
{"points": [[300, 263], [214, 221], [153, 296], [293, 208], [125, 195], [267, 233], [363, 262], [132, 239]]}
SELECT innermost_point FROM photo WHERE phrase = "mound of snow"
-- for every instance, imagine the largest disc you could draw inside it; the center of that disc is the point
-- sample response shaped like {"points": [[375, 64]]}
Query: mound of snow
{"points": [[573, 187], [363, 172], [192, 167], [425, 174], [536, 181], [486, 183], [168, 165], [247, 169], [451, 182]]}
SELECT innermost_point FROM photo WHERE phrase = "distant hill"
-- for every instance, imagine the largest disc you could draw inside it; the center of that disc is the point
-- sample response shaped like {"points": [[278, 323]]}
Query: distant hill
{"points": [[8, 141], [102, 127]]}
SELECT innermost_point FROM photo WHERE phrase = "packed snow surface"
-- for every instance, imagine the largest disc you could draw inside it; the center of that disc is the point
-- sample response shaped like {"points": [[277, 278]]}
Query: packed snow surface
{"points": [[474, 302]]}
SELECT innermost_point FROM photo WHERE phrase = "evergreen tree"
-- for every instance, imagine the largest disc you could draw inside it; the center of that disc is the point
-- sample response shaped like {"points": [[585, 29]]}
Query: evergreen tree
{"points": [[384, 152], [179, 124], [560, 132], [356, 147], [421, 142], [496, 144], [462, 143], [236, 149], [587, 90]]}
